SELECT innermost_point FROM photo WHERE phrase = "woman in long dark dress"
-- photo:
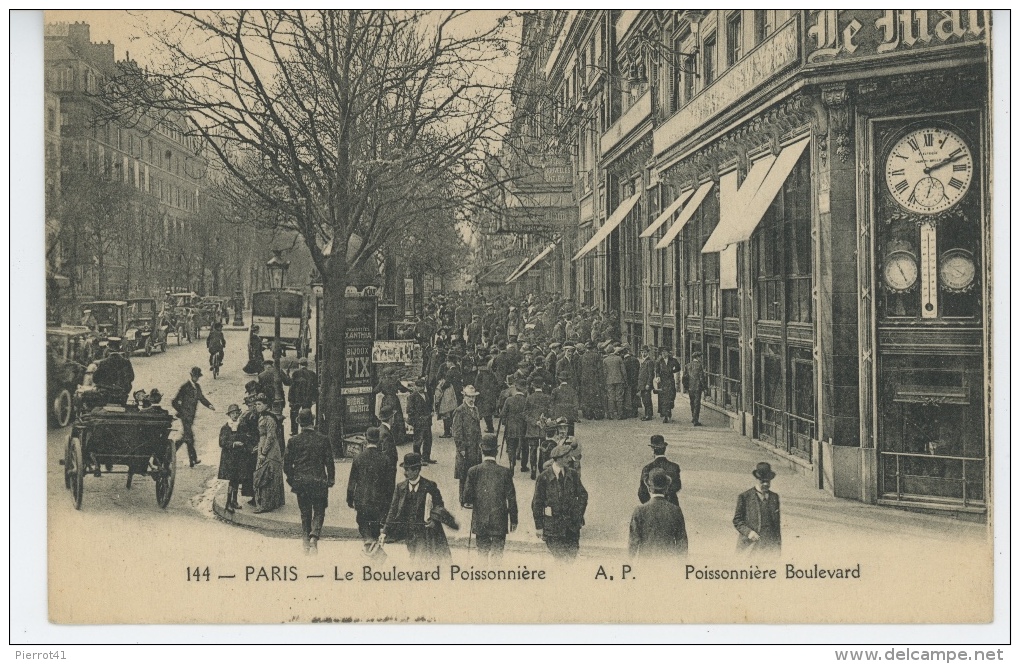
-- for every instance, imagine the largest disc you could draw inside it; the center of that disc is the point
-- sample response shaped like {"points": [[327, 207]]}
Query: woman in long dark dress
{"points": [[389, 386], [256, 361], [665, 374]]}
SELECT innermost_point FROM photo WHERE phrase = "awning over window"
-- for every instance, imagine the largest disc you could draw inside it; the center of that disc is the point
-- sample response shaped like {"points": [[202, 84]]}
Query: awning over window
{"points": [[666, 214], [534, 261], [519, 268], [685, 215], [614, 220], [741, 215]]}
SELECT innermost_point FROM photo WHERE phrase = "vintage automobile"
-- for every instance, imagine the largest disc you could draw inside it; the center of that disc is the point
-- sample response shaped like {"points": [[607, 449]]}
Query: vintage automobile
{"points": [[106, 318], [212, 310], [294, 313], [182, 309], [144, 329], [69, 350]]}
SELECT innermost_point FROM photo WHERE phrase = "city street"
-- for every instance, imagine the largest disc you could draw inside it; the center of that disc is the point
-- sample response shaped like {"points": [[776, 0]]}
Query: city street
{"points": [[715, 463]]}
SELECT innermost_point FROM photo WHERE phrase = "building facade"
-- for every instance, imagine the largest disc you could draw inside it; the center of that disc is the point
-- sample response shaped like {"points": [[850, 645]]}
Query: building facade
{"points": [[803, 197]]}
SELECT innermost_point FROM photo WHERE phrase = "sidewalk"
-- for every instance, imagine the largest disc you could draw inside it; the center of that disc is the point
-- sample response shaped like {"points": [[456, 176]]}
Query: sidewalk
{"points": [[716, 465]]}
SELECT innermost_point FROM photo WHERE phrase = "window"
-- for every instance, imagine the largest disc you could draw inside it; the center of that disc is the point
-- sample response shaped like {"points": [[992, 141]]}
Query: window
{"points": [[734, 38], [681, 83], [702, 270], [762, 25], [708, 60], [782, 249]]}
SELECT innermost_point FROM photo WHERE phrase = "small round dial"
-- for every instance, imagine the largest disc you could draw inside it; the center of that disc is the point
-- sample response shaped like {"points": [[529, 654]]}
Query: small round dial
{"points": [[929, 170], [900, 271], [957, 270]]}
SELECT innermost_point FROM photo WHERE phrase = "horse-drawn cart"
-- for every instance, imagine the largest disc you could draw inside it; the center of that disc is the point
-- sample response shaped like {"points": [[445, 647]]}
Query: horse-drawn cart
{"points": [[128, 436]]}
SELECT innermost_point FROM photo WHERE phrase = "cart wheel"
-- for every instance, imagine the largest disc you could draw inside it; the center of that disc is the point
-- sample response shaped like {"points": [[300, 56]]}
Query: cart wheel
{"points": [[74, 469], [148, 347], [63, 408], [165, 474]]}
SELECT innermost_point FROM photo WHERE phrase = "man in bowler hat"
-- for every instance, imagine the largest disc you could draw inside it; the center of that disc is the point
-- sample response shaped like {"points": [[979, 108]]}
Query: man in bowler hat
{"points": [[489, 491], [186, 404], [410, 507], [370, 487], [657, 528], [757, 515], [558, 505], [660, 462]]}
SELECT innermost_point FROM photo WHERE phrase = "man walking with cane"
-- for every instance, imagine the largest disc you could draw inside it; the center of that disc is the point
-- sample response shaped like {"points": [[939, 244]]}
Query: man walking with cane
{"points": [[489, 491]]}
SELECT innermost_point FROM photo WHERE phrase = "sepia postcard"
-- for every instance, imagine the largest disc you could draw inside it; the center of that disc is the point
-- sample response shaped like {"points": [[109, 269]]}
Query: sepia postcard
{"points": [[502, 317]]}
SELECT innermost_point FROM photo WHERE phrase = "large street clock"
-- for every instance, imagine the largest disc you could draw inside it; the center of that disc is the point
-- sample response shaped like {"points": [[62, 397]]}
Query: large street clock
{"points": [[929, 170]]}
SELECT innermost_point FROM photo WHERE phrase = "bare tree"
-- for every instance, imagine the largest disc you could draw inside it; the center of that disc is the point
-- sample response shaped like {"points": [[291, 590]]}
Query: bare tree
{"points": [[358, 129]]}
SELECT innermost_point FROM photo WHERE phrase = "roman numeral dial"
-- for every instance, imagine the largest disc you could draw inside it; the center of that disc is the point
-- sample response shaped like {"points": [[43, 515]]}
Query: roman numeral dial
{"points": [[929, 170]]}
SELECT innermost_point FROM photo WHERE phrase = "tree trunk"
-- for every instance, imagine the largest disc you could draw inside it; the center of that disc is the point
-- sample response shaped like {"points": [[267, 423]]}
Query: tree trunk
{"points": [[333, 362]]}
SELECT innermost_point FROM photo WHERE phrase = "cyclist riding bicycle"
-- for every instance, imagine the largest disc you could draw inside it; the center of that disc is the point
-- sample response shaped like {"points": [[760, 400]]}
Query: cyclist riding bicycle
{"points": [[215, 343]]}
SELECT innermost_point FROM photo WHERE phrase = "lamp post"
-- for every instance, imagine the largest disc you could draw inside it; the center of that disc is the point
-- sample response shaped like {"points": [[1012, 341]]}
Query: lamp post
{"points": [[277, 269]]}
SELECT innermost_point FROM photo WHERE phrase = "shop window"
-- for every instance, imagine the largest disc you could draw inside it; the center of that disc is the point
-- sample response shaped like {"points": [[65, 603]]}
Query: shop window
{"points": [[730, 303], [731, 376], [714, 370], [711, 262], [802, 402], [768, 409], [667, 338], [932, 432]]}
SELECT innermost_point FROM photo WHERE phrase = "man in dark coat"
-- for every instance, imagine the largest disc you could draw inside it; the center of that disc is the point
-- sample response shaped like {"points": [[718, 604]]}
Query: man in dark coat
{"points": [[757, 516], [489, 491], [539, 404], [271, 382], [631, 398], [255, 359], [308, 466], [593, 382], [186, 404], [304, 392], [467, 434], [695, 383], [665, 370], [558, 506], [488, 386], [568, 367], [370, 487], [645, 383], [420, 417], [407, 516], [387, 438], [657, 528], [114, 375], [515, 427], [660, 462], [616, 383]]}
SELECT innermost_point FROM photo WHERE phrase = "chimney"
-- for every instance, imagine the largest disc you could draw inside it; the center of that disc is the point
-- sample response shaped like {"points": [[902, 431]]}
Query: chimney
{"points": [[79, 32]]}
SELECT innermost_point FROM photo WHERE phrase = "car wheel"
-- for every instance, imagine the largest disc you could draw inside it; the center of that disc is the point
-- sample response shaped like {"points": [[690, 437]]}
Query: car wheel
{"points": [[63, 408]]}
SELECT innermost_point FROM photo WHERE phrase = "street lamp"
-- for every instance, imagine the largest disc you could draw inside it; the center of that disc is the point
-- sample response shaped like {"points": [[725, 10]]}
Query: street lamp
{"points": [[277, 269]]}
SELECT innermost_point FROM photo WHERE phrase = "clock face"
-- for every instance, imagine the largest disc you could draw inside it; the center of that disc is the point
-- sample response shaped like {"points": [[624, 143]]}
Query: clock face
{"points": [[929, 170], [957, 270], [900, 271]]}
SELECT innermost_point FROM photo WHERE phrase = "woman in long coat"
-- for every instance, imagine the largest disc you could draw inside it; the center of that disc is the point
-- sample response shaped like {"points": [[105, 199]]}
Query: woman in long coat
{"points": [[269, 489], [232, 453], [665, 368]]}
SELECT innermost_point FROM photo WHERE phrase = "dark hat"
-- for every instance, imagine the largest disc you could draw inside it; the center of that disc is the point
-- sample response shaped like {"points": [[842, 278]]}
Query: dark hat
{"points": [[268, 362], [568, 344], [537, 381], [155, 396], [658, 442], [305, 418], [303, 362], [411, 460], [386, 412], [520, 381], [763, 471], [560, 451], [419, 382], [261, 398], [233, 408], [657, 480], [372, 434], [196, 372], [254, 328], [488, 443], [113, 343], [251, 386]]}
